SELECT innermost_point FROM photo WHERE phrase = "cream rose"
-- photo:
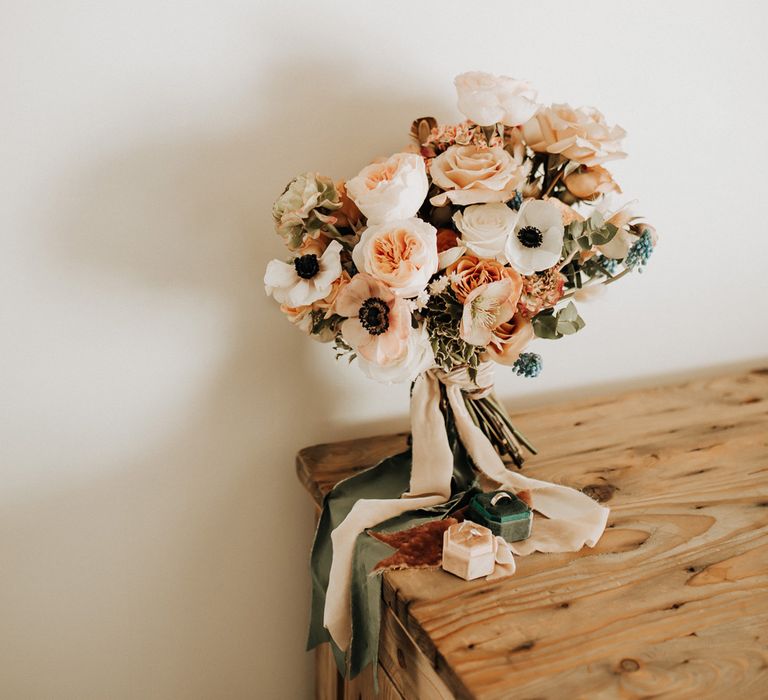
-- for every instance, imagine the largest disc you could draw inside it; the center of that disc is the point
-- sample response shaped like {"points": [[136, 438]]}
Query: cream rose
{"points": [[487, 99], [402, 254], [391, 190], [580, 135], [473, 175], [484, 228]]}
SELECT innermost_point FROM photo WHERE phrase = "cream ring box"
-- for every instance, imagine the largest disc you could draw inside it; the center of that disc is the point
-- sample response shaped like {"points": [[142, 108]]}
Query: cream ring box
{"points": [[469, 550]]}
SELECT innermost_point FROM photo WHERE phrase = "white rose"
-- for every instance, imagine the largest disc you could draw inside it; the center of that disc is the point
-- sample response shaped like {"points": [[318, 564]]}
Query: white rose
{"points": [[391, 190], [401, 254], [416, 360], [485, 227], [487, 99]]}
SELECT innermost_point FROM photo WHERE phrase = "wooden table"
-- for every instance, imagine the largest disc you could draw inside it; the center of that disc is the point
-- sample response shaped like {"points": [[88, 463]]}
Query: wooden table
{"points": [[673, 602]]}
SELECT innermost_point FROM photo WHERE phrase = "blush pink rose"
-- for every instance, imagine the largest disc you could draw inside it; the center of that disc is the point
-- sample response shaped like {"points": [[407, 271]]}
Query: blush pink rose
{"points": [[473, 175]]}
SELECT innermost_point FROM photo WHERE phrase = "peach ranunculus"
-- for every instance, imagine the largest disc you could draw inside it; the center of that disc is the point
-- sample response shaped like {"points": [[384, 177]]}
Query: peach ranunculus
{"points": [[509, 339], [485, 308], [580, 135], [378, 323], [473, 175], [391, 189], [589, 183], [402, 254], [469, 272]]}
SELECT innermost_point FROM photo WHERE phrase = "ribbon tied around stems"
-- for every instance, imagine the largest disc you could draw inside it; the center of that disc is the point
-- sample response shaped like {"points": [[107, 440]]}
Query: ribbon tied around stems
{"points": [[572, 519]]}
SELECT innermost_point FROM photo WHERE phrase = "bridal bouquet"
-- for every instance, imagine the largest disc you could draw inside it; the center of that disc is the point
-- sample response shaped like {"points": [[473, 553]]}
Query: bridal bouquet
{"points": [[438, 262], [464, 247]]}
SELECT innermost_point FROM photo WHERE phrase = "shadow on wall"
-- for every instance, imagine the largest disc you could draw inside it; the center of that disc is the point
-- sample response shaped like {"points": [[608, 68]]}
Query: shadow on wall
{"points": [[195, 554]]}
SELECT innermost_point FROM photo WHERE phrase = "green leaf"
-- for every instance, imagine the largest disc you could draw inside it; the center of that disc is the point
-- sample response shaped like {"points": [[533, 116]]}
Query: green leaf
{"points": [[545, 326], [568, 313]]}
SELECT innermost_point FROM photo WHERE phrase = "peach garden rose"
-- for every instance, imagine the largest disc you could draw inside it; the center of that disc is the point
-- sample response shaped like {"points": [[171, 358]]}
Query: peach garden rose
{"points": [[390, 190], [402, 254]]}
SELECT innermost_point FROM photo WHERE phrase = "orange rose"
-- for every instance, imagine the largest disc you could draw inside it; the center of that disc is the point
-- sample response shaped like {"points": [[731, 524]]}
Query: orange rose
{"points": [[588, 183], [469, 272], [510, 339]]}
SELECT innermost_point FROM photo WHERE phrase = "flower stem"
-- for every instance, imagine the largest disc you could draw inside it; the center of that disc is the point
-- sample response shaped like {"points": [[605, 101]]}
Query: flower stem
{"points": [[502, 413]]}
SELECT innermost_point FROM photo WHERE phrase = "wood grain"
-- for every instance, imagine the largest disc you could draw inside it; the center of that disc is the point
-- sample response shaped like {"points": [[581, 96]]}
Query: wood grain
{"points": [[673, 602]]}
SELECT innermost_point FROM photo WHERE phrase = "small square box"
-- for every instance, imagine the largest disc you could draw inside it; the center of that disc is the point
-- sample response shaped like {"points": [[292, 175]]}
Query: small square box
{"points": [[469, 550], [503, 514]]}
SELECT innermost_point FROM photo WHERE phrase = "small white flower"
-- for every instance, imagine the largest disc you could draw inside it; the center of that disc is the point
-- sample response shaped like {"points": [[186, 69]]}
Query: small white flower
{"points": [[418, 358], [536, 241], [485, 227], [439, 285], [422, 299], [307, 279]]}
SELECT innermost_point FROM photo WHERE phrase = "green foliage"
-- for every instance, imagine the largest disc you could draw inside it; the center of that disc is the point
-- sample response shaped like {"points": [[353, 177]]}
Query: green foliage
{"points": [[342, 349], [443, 317], [553, 325], [323, 326], [584, 235]]}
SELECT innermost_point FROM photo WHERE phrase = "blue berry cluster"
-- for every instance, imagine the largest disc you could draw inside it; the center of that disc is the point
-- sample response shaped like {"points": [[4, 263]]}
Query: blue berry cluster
{"points": [[608, 264], [516, 201], [528, 365], [640, 252]]}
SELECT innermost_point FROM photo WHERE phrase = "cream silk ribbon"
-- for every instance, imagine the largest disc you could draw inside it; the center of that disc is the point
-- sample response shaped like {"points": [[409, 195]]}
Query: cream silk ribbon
{"points": [[572, 519]]}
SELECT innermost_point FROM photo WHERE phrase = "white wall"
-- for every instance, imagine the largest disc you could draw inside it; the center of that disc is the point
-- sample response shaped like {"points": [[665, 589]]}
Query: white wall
{"points": [[153, 537]]}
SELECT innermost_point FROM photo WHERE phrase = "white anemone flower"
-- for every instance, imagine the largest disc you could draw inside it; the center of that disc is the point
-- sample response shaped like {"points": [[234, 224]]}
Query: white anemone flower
{"points": [[536, 241], [305, 280], [485, 308]]}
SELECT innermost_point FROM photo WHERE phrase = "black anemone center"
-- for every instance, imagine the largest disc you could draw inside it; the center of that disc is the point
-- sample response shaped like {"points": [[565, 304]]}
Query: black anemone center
{"points": [[530, 236], [374, 316], [307, 266]]}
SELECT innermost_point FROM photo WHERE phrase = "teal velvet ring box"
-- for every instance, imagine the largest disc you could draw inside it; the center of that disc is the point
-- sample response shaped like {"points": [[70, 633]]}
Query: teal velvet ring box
{"points": [[502, 513]]}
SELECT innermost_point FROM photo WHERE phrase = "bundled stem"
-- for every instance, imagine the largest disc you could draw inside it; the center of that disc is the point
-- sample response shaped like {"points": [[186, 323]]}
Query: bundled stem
{"points": [[492, 418]]}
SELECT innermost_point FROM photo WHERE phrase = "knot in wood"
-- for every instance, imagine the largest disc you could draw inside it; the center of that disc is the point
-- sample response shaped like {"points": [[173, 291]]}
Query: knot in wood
{"points": [[600, 492], [629, 665]]}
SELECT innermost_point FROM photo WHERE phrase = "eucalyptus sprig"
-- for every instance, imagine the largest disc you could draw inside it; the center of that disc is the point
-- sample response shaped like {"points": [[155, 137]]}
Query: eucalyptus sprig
{"points": [[553, 324]]}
